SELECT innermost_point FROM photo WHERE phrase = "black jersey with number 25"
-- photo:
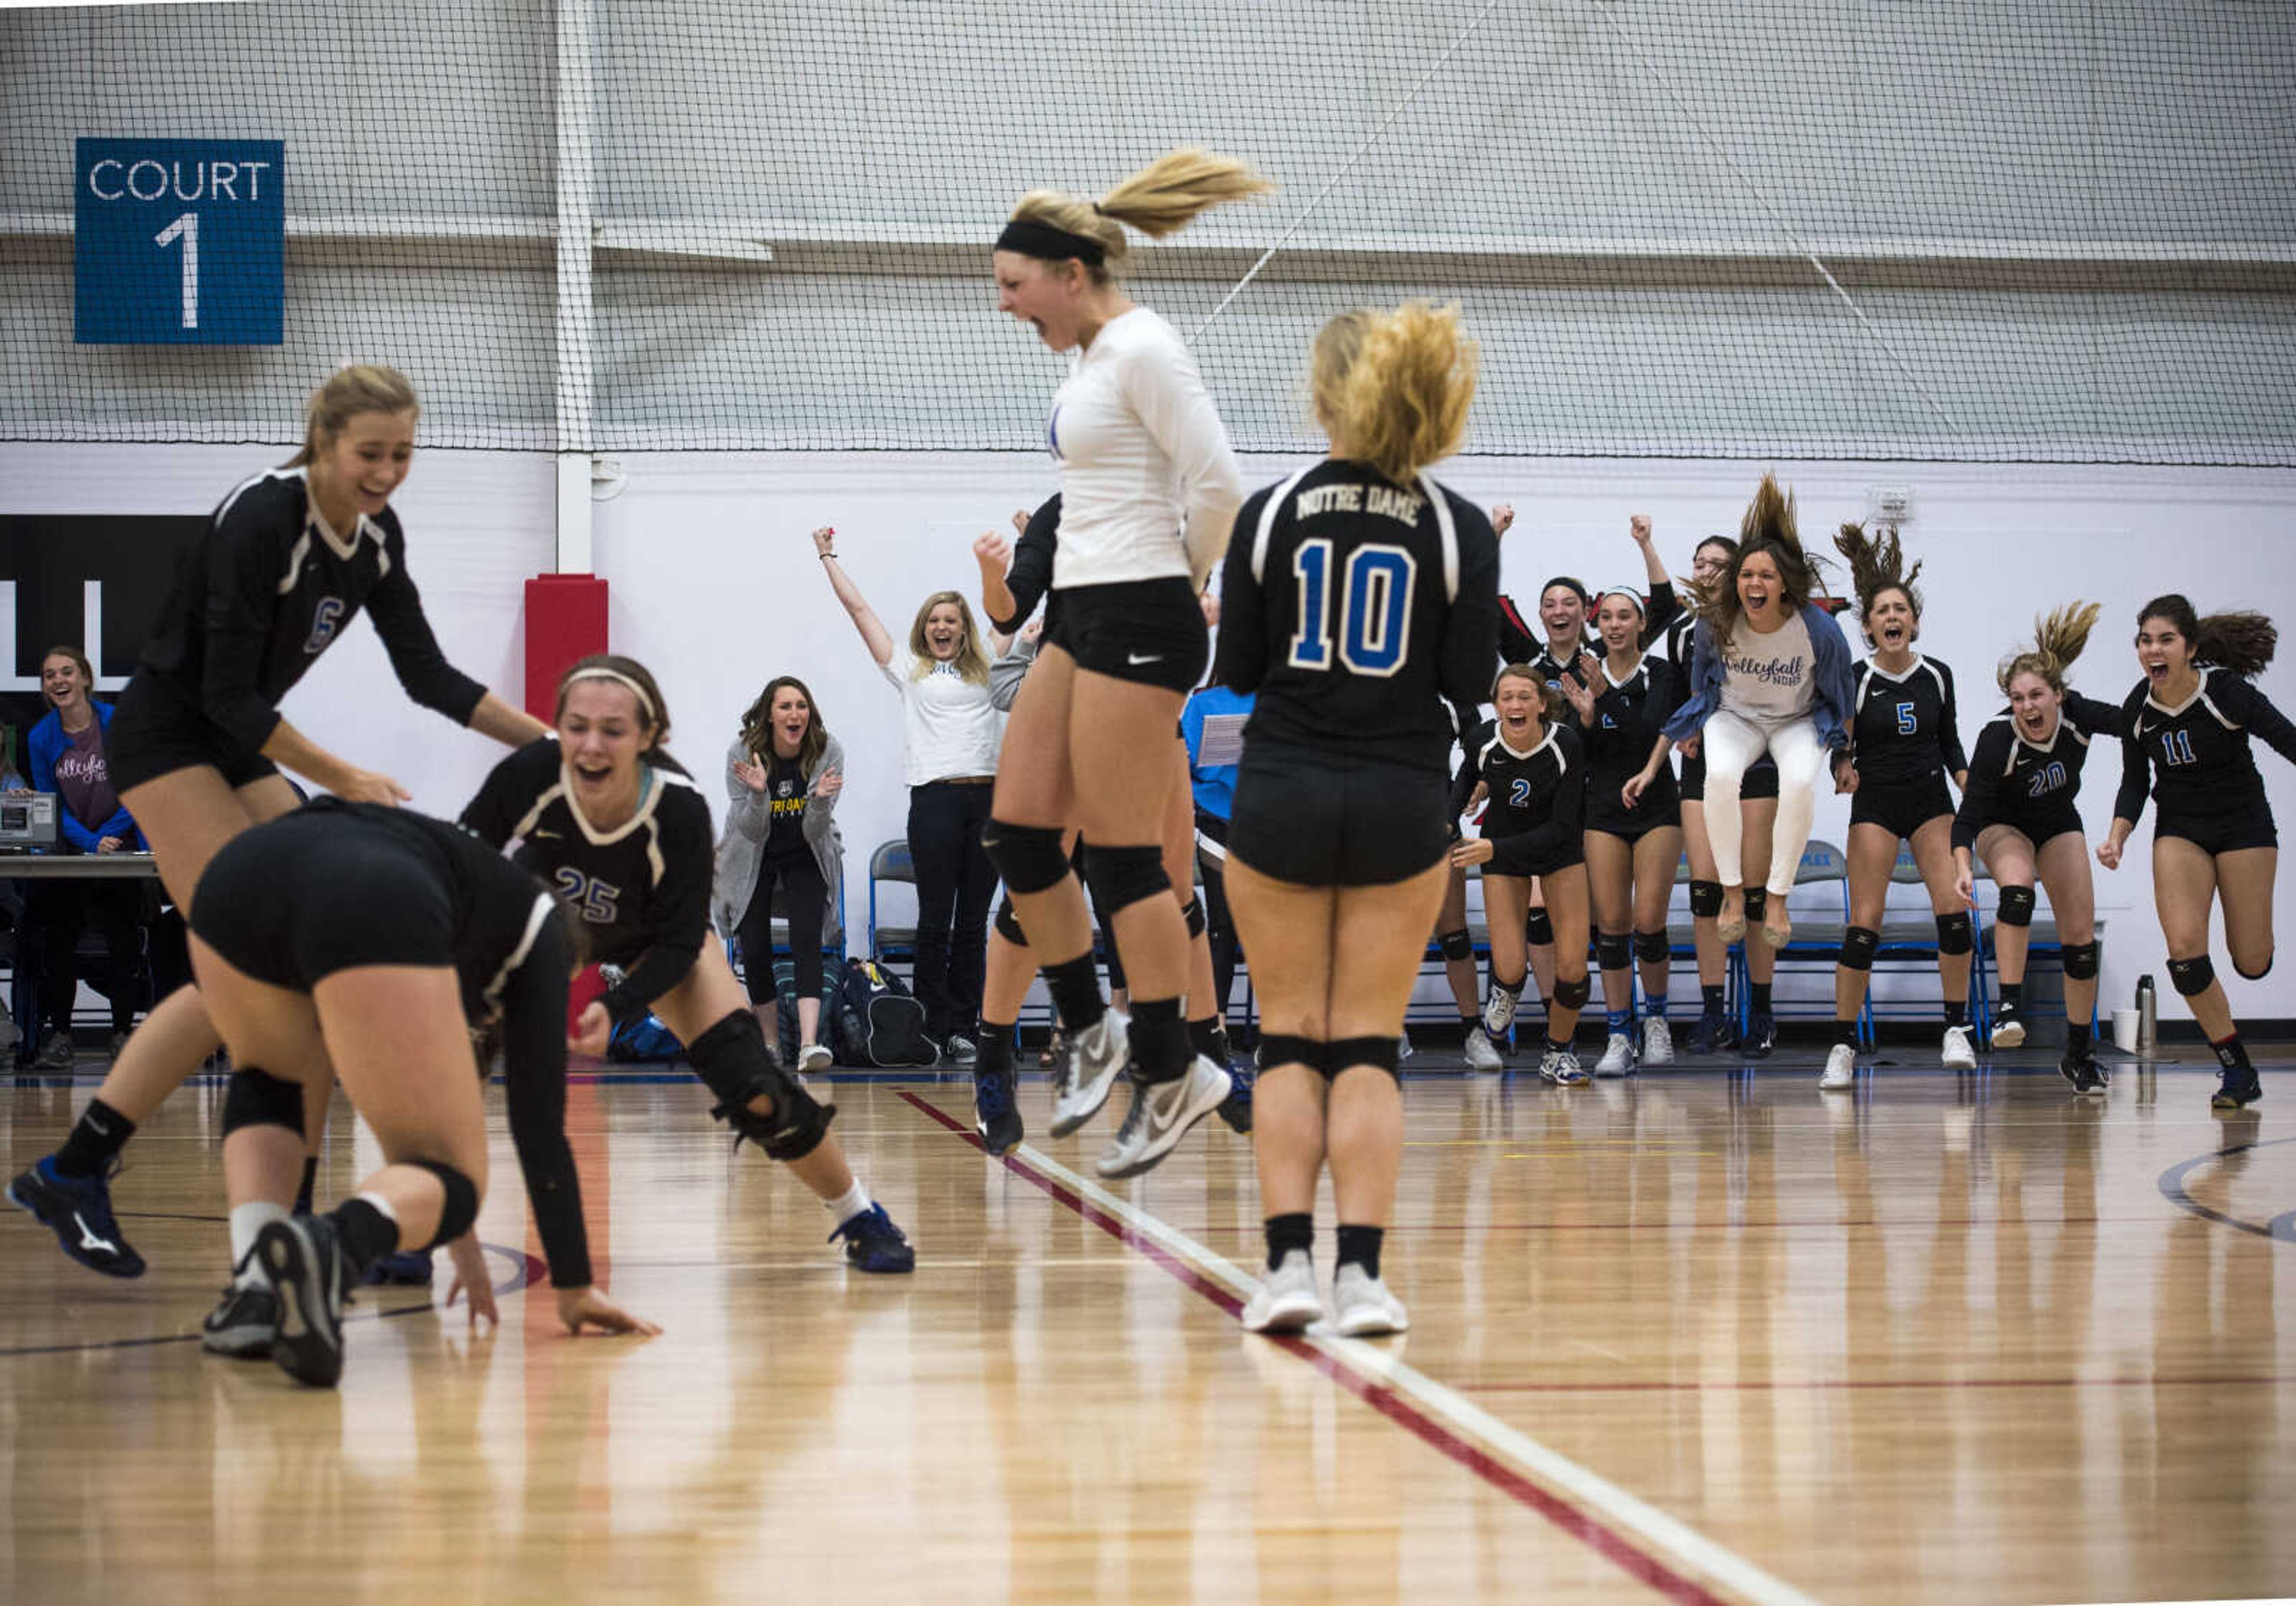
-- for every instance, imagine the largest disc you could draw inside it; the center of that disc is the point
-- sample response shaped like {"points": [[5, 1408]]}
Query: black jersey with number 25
{"points": [[643, 888], [1355, 607]]}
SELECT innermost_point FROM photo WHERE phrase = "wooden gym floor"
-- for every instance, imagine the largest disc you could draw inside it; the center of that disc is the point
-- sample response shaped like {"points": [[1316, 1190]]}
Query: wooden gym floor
{"points": [[1698, 1336]]}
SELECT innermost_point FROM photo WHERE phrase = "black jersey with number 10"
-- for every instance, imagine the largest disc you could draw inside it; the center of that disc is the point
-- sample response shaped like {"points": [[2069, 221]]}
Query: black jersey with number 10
{"points": [[1355, 607]]}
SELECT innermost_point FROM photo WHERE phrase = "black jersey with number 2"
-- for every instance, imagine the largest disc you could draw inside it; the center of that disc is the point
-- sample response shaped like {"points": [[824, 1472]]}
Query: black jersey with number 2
{"points": [[643, 888], [1355, 607], [1537, 798], [267, 587]]}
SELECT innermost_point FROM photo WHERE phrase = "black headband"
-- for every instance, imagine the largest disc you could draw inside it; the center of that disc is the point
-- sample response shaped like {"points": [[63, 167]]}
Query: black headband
{"points": [[1050, 244], [1564, 580]]}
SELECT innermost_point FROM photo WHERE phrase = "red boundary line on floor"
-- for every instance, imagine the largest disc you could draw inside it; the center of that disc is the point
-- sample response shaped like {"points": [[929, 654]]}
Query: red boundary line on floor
{"points": [[1757, 1385], [1580, 1524]]}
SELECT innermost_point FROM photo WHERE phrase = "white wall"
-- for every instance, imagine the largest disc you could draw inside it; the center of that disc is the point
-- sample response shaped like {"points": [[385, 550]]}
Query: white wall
{"points": [[716, 587]]}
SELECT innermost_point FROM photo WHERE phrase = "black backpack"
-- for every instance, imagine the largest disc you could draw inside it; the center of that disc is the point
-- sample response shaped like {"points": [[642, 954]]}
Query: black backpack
{"points": [[878, 1022]]}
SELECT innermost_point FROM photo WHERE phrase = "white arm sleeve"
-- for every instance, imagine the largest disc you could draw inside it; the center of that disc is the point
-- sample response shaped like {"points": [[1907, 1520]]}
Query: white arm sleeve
{"points": [[1167, 394]]}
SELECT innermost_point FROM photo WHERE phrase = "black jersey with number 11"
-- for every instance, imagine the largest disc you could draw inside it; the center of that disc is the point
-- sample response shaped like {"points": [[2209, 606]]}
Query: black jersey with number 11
{"points": [[1355, 607]]}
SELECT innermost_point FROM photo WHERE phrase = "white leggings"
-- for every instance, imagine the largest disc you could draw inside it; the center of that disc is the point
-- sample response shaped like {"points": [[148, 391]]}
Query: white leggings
{"points": [[1732, 744]]}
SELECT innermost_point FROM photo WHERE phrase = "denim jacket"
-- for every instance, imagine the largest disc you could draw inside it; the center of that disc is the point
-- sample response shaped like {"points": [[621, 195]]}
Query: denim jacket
{"points": [[1830, 712]]}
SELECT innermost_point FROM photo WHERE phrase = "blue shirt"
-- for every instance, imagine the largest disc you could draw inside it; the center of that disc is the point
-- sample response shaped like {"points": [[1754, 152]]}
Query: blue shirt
{"points": [[1215, 788]]}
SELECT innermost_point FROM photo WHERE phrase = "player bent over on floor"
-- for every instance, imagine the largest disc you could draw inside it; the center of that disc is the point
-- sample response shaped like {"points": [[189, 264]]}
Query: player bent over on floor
{"points": [[446, 935]]}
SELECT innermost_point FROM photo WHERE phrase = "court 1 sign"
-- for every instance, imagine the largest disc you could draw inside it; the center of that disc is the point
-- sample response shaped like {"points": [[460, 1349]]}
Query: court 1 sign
{"points": [[179, 241]]}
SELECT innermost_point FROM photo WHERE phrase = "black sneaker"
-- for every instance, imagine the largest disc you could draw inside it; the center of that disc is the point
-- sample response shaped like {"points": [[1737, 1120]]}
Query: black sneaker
{"points": [[2084, 1073], [401, 1268], [958, 1051], [1761, 1036], [306, 1266], [2236, 1085], [55, 1053], [996, 1116], [78, 1210], [242, 1323], [1236, 1108], [872, 1244], [1713, 1035]]}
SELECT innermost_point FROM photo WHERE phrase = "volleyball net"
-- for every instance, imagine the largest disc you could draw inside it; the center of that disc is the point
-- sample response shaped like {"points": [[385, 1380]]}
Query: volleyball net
{"points": [[2060, 231]]}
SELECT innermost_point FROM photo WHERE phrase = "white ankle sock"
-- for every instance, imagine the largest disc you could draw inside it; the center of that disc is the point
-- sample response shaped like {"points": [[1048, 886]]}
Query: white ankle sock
{"points": [[247, 1221], [846, 1205]]}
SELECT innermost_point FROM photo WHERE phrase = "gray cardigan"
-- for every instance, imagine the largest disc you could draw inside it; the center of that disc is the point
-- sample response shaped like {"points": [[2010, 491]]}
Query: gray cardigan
{"points": [[748, 821]]}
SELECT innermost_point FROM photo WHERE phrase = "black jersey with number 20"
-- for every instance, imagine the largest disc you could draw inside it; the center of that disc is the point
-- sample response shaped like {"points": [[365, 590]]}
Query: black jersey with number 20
{"points": [[1355, 607]]}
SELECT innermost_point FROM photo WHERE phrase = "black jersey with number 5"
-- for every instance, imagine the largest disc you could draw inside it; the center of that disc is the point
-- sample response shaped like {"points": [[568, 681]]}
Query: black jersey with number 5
{"points": [[643, 888], [267, 587], [1355, 608], [2196, 754], [1907, 727]]}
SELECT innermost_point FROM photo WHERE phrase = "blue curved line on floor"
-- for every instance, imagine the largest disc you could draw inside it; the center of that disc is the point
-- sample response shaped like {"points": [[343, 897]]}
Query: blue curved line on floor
{"points": [[517, 1280], [2282, 1227]]}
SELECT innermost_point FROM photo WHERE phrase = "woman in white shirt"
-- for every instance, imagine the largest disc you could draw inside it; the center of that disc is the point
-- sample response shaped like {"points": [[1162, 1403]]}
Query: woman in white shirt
{"points": [[950, 735], [1148, 487], [1769, 672]]}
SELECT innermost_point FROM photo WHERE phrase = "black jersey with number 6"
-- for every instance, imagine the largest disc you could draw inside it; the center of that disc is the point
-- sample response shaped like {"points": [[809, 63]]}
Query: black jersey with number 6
{"points": [[643, 888], [1356, 607], [267, 587], [2196, 754]]}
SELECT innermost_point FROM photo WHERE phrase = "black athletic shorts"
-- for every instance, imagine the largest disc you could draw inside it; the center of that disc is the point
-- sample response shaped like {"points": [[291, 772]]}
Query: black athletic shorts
{"points": [[158, 729], [1607, 811], [1148, 631], [1761, 780], [1322, 819], [2044, 827], [309, 896], [1900, 808], [2248, 826]]}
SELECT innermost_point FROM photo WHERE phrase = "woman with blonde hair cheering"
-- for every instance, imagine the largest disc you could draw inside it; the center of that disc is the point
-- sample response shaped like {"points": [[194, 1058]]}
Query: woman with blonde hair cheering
{"points": [[1148, 489], [950, 731]]}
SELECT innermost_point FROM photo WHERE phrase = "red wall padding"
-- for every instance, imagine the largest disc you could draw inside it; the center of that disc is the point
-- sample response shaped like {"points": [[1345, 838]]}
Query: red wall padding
{"points": [[565, 620]]}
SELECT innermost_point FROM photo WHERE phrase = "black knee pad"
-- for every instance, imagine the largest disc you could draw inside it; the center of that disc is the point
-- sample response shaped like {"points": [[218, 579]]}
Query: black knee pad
{"points": [[1008, 923], [2249, 975], [1277, 1049], [1954, 936], [1613, 951], [2016, 906], [731, 1060], [1652, 947], [1706, 900], [2192, 977], [2080, 960], [1757, 902], [462, 1206], [1344, 1053], [1857, 945], [1121, 877], [1572, 994], [1192, 912], [1456, 944], [1537, 930], [1028, 856], [256, 1098]]}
